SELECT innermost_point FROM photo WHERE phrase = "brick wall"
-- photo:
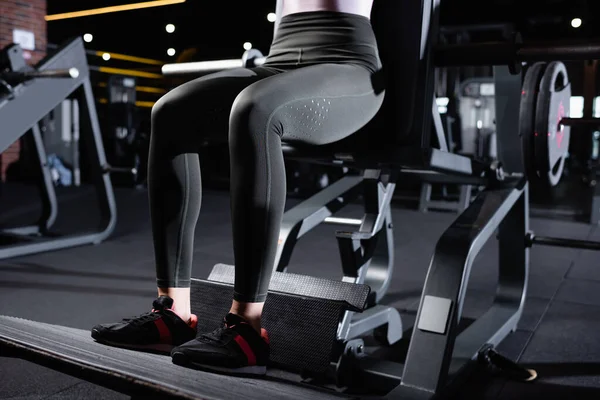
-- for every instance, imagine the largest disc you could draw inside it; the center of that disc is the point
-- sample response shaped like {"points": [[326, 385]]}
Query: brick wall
{"points": [[28, 15]]}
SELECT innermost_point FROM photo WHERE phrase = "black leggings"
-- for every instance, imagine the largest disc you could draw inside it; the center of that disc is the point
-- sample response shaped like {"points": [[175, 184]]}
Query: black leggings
{"points": [[315, 88]]}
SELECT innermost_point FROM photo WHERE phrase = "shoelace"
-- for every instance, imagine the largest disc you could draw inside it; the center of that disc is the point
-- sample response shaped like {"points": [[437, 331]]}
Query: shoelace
{"points": [[142, 318], [218, 333]]}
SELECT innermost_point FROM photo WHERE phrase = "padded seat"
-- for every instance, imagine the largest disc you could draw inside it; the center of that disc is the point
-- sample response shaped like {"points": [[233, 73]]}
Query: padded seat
{"points": [[394, 158]]}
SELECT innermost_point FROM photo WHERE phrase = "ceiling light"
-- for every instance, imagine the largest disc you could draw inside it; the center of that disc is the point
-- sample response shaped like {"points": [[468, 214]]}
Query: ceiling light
{"points": [[271, 17], [106, 56], [576, 22], [170, 28], [88, 37], [247, 46], [171, 52]]}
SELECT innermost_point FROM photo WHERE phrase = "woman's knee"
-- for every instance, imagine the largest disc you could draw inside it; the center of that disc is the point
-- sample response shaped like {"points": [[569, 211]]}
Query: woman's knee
{"points": [[173, 123], [162, 108], [252, 117]]}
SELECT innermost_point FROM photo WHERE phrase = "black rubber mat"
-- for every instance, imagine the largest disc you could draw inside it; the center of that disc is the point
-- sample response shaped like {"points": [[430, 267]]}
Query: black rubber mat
{"points": [[579, 291], [74, 352], [95, 284], [576, 362]]}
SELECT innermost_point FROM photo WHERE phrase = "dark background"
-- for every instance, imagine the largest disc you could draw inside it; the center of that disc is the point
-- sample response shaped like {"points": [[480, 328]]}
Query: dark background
{"points": [[218, 29]]}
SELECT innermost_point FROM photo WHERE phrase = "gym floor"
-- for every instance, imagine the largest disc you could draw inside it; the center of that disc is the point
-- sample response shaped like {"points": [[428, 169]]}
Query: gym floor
{"points": [[80, 287]]}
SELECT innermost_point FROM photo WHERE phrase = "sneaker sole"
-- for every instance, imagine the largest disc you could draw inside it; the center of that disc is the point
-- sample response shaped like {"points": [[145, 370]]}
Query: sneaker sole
{"points": [[162, 348], [250, 371]]}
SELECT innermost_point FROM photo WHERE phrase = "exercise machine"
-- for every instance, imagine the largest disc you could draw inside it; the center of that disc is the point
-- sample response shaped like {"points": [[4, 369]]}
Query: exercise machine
{"points": [[123, 138], [29, 94], [317, 325], [437, 351]]}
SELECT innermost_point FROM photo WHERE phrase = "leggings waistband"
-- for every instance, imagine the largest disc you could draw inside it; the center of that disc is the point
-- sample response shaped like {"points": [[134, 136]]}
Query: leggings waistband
{"points": [[324, 37]]}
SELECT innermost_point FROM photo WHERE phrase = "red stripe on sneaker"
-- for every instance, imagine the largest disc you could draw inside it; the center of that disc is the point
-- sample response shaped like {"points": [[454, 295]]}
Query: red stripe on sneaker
{"points": [[163, 331], [264, 335], [246, 349]]}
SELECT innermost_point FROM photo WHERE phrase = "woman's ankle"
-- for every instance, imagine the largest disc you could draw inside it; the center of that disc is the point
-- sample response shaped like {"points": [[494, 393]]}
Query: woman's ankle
{"points": [[251, 312], [181, 301], [185, 316]]}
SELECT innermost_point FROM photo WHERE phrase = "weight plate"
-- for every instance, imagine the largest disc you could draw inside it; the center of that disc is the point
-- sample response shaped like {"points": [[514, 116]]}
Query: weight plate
{"points": [[529, 95], [551, 139]]}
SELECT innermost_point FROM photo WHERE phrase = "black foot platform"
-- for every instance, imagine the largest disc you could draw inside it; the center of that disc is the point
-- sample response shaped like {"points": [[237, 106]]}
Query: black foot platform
{"points": [[135, 373]]}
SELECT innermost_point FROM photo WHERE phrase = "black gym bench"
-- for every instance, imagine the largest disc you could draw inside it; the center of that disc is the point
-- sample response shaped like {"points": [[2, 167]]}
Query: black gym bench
{"points": [[27, 95], [317, 325]]}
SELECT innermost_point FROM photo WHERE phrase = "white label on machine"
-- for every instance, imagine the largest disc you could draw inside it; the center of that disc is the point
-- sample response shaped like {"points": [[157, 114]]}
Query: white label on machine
{"points": [[26, 39], [487, 89]]}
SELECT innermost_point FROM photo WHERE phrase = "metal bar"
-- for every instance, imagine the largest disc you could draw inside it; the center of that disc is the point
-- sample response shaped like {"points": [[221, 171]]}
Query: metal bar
{"points": [[22, 76], [432, 345], [439, 127], [310, 213], [507, 103], [425, 197], [75, 135], [502, 53], [564, 242], [370, 261], [585, 122], [200, 66], [343, 221], [563, 51], [505, 313], [422, 121], [466, 194], [513, 253], [47, 192], [206, 66], [19, 232], [373, 318], [490, 328], [381, 266], [95, 149], [375, 216], [377, 224], [122, 170]]}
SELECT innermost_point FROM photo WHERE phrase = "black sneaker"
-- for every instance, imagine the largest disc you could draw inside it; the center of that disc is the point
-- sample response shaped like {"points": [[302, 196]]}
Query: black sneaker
{"points": [[236, 349], [159, 330]]}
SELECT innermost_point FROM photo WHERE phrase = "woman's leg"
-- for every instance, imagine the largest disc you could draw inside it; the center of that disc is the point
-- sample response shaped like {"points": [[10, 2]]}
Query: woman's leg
{"points": [[180, 121], [314, 105]]}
